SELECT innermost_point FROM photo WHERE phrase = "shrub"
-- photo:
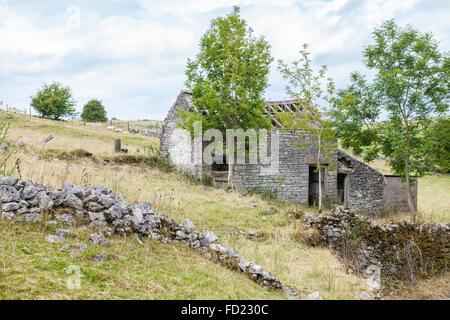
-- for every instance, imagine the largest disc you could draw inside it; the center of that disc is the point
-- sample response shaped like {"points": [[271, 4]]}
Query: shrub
{"points": [[440, 144], [94, 111]]}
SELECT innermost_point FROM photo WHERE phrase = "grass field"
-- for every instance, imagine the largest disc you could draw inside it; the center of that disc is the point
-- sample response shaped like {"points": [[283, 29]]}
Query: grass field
{"points": [[166, 271]]}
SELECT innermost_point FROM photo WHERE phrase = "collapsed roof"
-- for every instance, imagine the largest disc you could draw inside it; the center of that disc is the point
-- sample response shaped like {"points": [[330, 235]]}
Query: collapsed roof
{"points": [[272, 109]]}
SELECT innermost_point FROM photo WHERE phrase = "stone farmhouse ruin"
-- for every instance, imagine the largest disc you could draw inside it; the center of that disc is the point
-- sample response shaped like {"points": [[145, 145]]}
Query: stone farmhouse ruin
{"points": [[350, 182]]}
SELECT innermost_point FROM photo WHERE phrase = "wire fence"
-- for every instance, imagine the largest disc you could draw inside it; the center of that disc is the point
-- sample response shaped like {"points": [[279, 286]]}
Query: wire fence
{"points": [[143, 127]]}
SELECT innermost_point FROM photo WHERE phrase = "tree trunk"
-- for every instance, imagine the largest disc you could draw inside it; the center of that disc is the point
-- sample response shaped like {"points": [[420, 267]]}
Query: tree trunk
{"points": [[412, 209], [320, 174], [230, 172], [320, 189]]}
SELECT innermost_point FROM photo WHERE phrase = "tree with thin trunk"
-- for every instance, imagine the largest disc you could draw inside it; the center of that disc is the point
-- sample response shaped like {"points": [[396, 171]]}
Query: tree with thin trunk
{"points": [[315, 93], [392, 114], [228, 78]]}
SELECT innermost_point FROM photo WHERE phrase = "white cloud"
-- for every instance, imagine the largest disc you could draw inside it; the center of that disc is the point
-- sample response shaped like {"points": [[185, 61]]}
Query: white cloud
{"points": [[134, 57]]}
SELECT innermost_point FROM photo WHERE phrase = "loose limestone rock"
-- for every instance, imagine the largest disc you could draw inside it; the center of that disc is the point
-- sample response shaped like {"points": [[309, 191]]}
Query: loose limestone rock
{"points": [[315, 296], [52, 238], [9, 194], [99, 239], [62, 232], [188, 226], [72, 201]]}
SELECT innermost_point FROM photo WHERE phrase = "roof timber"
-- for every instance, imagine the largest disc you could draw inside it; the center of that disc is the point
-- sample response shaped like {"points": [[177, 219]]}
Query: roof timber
{"points": [[272, 109]]}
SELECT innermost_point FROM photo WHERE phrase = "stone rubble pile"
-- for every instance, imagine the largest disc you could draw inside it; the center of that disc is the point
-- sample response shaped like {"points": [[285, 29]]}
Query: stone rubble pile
{"points": [[98, 206], [397, 249], [146, 132]]}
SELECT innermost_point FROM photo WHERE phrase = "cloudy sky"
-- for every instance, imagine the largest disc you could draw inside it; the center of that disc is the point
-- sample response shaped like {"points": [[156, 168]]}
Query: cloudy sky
{"points": [[132, 53]]}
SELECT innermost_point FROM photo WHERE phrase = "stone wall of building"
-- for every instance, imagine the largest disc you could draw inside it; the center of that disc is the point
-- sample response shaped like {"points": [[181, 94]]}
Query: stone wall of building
{"points": [[366, 185], [176, 143], [291, 182], [395, 196]]}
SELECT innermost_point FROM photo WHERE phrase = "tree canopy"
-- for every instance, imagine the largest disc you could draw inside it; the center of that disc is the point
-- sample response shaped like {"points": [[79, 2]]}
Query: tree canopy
{"points": [[440, 144], [392, 114], [54, 101], [94, 111], [228, 77]]}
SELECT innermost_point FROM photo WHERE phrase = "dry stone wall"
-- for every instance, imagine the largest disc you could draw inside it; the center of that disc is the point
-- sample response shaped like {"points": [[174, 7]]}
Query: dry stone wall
{"points": [[98, 206], [401, 250]]}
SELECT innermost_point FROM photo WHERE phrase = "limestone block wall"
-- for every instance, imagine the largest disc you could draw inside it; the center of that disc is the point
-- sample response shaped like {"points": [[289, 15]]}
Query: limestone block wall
{"points": [[176, 143], [366, 185], [292, 180]]}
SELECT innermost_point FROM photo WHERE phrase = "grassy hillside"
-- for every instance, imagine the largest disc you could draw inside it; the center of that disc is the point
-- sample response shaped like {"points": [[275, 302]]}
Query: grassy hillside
{"points": [[92, 137], [32, 268], [164, 271]]}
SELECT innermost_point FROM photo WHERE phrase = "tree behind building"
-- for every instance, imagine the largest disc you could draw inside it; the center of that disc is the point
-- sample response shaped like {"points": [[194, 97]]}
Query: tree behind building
{"points": [[228, 78]]}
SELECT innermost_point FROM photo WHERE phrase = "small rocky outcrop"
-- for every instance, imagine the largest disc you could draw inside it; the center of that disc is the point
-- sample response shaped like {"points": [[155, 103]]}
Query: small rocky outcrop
{"points": [[98, 206]]}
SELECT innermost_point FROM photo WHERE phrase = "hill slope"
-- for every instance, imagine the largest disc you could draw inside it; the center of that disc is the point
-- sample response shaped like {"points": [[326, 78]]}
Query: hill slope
{"points": [[135, 269]]}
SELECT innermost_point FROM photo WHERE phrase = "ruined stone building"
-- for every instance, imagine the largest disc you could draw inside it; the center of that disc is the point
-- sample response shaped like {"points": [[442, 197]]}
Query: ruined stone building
{"points": [[350, 182]]}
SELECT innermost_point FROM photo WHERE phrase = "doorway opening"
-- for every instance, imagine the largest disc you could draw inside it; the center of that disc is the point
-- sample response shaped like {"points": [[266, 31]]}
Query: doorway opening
{"points": [[313, 192], [342, 188]]}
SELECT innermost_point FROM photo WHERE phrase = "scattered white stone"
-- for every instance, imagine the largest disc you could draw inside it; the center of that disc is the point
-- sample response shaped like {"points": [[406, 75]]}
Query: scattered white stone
{"points": [[99, 239], [365, 296], [83, 247], [188, 226], [315, 296], [62, 232], [100, 258], [210, 236], [138, 239], [53, 238]]}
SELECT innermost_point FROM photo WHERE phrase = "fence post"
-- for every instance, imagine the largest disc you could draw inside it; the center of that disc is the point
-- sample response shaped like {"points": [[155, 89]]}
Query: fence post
{"points": [[117, 146]]}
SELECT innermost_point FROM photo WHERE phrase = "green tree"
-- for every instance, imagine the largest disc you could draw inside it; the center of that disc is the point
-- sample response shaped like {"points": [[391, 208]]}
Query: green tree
{"points": [[54, 101], [314, 91], [440, 144], [228, 78], [94, 111], [392, 114]]}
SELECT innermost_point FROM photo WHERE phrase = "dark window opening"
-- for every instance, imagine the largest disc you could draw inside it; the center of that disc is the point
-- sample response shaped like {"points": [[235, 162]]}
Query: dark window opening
{"points": [[313, 192], [342, 188], [220, 166]]}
